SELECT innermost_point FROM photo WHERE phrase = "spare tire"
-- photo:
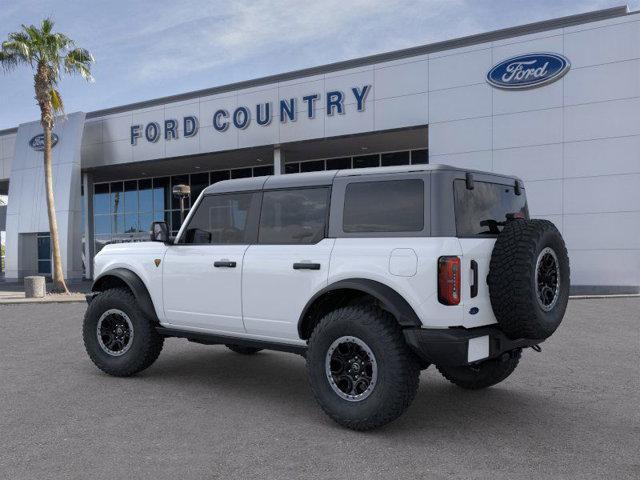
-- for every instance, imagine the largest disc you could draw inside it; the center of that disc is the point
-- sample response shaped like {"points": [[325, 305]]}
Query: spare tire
{"points": [[529, 278]]}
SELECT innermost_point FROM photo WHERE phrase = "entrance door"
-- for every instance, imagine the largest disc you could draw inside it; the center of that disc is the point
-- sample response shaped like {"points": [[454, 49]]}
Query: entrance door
{"points": [[202, 273], [289, 263], [44, 253]]}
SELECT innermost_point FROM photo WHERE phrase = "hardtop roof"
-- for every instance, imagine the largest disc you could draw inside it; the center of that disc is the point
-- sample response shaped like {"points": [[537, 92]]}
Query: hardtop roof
{"points": [[326, 178]]}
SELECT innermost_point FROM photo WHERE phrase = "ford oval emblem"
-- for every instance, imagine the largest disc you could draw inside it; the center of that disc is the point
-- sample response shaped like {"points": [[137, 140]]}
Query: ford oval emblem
{"points": [[474, 310], [528, 71], [37, 142]]}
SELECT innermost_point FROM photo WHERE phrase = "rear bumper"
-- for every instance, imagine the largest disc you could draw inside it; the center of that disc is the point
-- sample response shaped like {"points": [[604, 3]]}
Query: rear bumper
{"points": [[460, 346]]}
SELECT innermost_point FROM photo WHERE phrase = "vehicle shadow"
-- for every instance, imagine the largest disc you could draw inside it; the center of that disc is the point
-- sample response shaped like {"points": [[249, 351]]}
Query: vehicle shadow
{"points": [[280, 382]]}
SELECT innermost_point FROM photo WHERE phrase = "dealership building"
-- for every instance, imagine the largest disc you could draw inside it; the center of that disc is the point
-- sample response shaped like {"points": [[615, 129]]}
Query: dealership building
{"points": [[556, 103]]}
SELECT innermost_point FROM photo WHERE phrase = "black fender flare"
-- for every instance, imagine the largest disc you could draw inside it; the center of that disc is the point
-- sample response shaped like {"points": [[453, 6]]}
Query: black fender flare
{"points": [[135, 284], [391, 300]]}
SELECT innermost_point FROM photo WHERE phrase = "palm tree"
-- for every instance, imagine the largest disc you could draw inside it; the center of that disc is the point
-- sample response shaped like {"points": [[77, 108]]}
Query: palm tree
{"points": [[47, 53]]}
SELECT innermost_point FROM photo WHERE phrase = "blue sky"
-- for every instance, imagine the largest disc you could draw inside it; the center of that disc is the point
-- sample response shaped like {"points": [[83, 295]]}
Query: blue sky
{"points": [[149, 49]]}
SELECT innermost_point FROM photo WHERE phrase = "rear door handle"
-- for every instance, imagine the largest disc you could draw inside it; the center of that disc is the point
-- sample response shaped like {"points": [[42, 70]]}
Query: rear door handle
{"points": [[306, 266], [225, 264], [474, 286]]}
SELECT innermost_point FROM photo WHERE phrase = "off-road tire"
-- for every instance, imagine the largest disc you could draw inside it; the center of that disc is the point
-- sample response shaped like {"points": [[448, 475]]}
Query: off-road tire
{"points": [[482, 375], [398, 368], [512, 279], [242, 349], [146, 344]]}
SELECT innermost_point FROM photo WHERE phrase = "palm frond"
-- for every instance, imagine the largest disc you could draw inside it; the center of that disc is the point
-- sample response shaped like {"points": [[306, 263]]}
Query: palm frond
{"points": [[79, 60], [47, 25], [56, 101]]}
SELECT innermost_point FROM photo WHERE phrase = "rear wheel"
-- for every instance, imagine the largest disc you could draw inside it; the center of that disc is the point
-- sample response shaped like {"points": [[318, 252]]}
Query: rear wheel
{"points": [[361, 372], [482, 375], [242, 349], [118, 337]]}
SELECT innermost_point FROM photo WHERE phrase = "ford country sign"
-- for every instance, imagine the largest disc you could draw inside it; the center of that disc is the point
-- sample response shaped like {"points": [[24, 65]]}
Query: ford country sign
{"points": [[37, 142], [528, 71]]}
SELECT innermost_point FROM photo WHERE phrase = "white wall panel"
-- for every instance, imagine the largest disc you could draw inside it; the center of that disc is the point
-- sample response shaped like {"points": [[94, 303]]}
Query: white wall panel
{"points": [[304, 128], [352, 121], [470, 160], [603, 45], [407, 111], [117, 152], [92, 133], [8, 162], [345, 82], [545, 43], [255, 135], [593, 231], [212, 104], [544, 197], [459, 70], [512, 101], [181, 145], [527, 128], [540, 162], [600, 120], [117, 127], [602, 82], [403, 79], [604, 156], [611, 193], [301, 89], [460, 103], [605, 267], [212, 140], [557, 220], [460, 136]]}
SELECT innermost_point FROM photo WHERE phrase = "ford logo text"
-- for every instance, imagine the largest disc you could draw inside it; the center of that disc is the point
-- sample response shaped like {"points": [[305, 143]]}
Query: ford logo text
{"points": [[528, 71], [37, 142]]}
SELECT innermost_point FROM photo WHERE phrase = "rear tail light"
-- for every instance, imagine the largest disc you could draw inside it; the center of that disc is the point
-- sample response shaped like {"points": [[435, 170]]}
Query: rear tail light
{"points": [[449, 280]]}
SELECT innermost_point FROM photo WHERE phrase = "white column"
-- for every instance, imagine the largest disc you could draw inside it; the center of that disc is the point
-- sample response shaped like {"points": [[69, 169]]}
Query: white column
{"points": [[278, 160], [87, 186]]}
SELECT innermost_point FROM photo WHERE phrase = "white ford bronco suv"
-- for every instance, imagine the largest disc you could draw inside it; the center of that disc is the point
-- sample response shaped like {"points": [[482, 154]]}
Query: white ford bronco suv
{"points": [[371, 274]]}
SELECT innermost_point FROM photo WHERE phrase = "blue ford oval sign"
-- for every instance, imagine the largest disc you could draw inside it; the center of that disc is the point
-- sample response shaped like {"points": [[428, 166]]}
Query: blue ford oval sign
{"points": [[528, 71], [37, 142]]}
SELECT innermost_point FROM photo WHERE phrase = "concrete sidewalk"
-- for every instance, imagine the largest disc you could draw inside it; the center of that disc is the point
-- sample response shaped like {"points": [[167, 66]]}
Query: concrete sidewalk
{"points": [[8, 298], [13, 293]]}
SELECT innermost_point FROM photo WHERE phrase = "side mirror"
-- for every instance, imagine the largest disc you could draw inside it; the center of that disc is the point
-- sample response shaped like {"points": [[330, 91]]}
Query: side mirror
{"points": [[159, 232]]}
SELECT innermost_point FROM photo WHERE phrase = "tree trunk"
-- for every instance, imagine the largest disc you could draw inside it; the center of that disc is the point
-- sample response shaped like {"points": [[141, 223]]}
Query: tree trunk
{"points": [[42, 85], [59, 285]]}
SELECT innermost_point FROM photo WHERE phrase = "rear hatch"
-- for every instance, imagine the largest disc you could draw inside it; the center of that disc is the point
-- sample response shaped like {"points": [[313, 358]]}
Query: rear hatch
{"points": [[481, 210]]}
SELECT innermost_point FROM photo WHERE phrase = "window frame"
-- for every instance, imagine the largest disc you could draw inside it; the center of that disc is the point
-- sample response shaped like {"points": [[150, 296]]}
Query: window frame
{"points": [[253, 218], [325, 232], [336, 226]]}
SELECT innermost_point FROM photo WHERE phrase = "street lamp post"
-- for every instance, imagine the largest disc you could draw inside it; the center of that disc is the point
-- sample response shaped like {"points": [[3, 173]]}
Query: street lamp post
{"points": [[181, 192]]}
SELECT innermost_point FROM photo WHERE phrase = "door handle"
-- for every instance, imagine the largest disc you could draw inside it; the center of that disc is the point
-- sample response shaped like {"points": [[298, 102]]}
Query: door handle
{"points": [[224, 263], [306, 266], [474, 286]]}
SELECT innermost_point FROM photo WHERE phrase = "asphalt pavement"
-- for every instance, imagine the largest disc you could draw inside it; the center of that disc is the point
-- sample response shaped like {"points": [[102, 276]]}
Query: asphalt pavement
{"points": [[204, 412]]}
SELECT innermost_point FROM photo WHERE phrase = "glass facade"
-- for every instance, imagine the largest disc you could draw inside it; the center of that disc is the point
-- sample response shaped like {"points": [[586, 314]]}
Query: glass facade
{"points": [[123, 210]]}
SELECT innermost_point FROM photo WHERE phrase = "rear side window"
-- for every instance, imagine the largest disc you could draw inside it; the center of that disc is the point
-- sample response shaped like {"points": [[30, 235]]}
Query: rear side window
{"points": [[223, 219], [385, 206], [294, 216], [483, 210]]}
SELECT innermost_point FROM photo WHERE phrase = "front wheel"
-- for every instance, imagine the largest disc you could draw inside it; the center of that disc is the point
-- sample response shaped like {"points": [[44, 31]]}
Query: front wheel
{"points": [[118, 337], [361, 372], [482, 375]]}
